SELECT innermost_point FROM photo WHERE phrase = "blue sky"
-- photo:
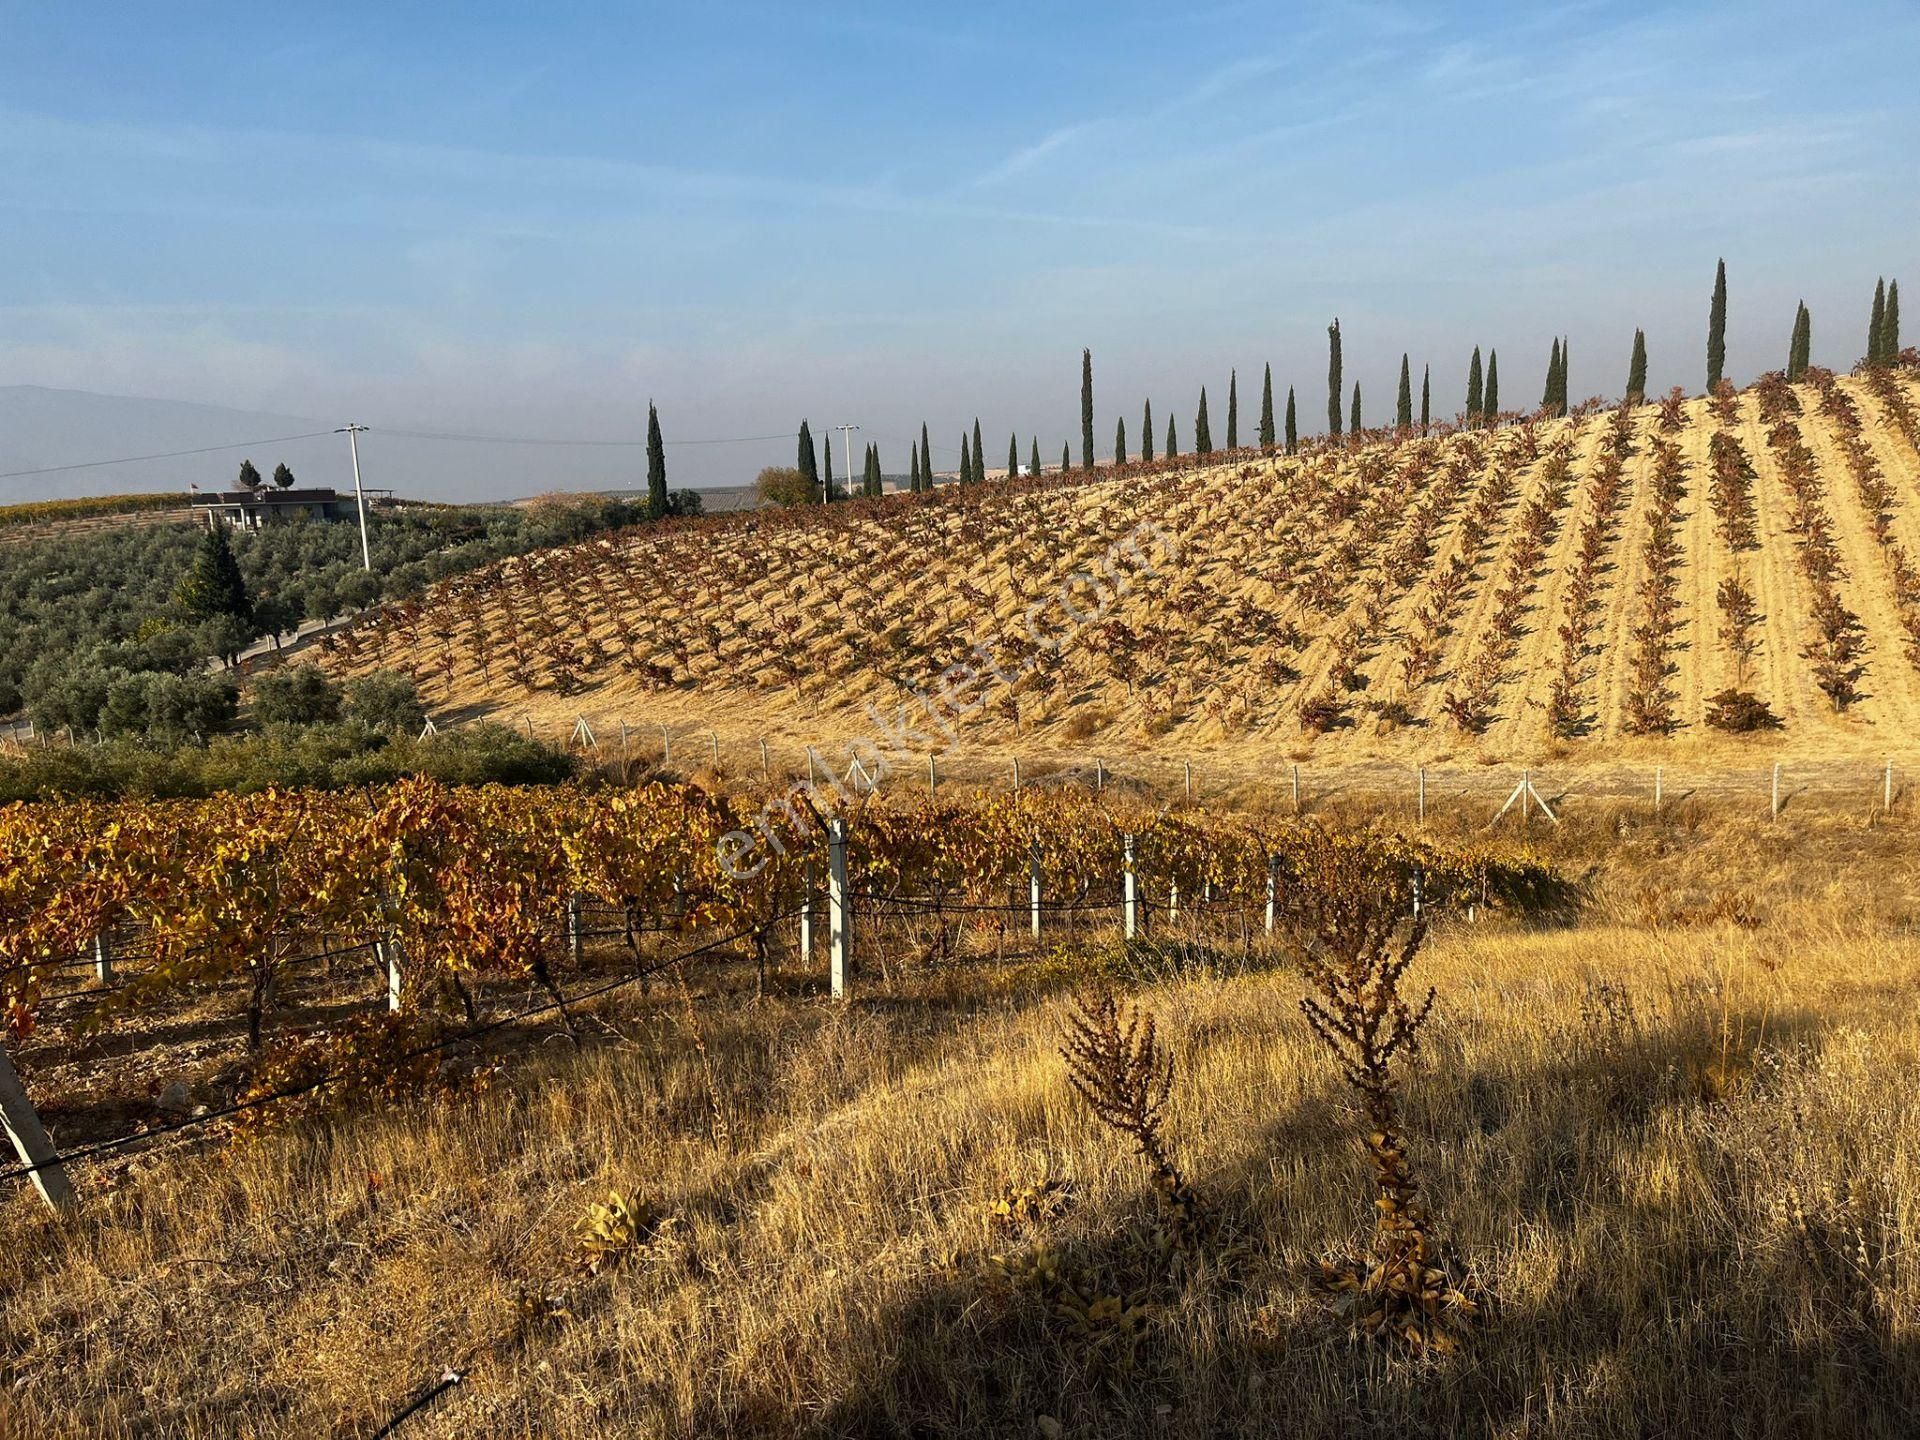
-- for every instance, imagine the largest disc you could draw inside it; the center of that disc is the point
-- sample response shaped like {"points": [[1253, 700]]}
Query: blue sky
{"points": [[529, 219]]}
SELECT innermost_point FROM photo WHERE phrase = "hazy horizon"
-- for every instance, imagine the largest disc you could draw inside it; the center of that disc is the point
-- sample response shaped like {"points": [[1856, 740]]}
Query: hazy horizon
{"points": [[516, 227]]}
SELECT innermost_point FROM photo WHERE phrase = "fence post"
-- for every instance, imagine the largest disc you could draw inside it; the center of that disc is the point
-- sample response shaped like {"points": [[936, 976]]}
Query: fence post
{"points": [[1129, 918], [1296, 789], [1659, 787], [30, 1140], [102, 959], [573, 928], [933, 777], [766, 771], [1775, 815], [390, 952], [623, 742], [1419, 893], [837, 905], [1033, 884], [1189, 768], [1886, 789], [1016, 774], [1099, 777], [1422, 806], [1526, 791], [1273, 889], [806, 914]]}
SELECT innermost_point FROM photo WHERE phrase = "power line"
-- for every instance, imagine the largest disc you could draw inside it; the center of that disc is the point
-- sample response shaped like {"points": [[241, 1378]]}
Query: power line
{"points": [[168, 455], [564, 440]]}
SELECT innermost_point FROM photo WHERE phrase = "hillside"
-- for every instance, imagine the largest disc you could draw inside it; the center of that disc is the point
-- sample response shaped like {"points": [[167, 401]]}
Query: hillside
{"points": [[1554, 588]]}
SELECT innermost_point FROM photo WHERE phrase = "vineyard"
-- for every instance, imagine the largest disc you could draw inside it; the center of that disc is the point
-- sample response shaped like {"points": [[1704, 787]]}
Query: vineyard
{"points": [[1686, 575]]}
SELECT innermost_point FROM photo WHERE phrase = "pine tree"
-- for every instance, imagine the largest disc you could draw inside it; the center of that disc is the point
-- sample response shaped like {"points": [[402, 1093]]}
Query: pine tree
{"points": [[282, 476], [1474, 397], [1293, 427], [1549, 397], [1202, 433], [1266, 411], [926, 459], [1333, 377], [1890, 327], [656, 466], [1033, 463], [1717, 330], [1493, 386], [1637, 370], [809, 462], [1403, 413], [249, 478], [1426, 397], [1353, 425], [214, 586], [1876, 322], [1233, 410], [1086, 409], [1146, 433], [1173, 443], [1799, 347], [979, 454]]}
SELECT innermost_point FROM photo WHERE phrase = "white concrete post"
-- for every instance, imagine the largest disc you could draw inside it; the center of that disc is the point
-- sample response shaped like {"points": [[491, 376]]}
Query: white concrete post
{"points": [[806, 915], [1173, 899], [1129, 918], [102, 959], [573, 928], [389, 950], [715, 734], [1776, 791], [1016, 774], [1886, 790], [30, 1140], [1099, 777], [1033, 884], [837, 905], [1659, 788], [933, 777], [1273, 890], [1419, 892], [766, 770], [1422, 804]]}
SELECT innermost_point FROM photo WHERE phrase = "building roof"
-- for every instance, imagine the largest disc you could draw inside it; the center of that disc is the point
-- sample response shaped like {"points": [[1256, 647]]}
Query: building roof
{"points": [[299, 495]]}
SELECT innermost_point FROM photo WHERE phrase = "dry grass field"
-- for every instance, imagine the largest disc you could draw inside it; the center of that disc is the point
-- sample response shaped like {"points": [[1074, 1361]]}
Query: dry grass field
{"points": [[1548, 591], [1671, 1141]]}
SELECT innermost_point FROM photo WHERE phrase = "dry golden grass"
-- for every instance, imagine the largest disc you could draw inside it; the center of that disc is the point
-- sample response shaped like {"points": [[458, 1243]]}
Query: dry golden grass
{"points": [[1682, 1159]]}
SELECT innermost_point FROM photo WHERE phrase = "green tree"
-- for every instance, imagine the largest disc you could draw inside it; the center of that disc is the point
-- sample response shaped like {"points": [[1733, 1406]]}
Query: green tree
{"points": [[1233, 409], [214, 586], [1475, 397], [1086, 409], [296, 695], [1266, 411], [1890, 327], [656, 466], [826, 467], [1202, 432], [913, 469], [966, 461], [808, 463], [249, 478], [926, 459], [1353, 425], [1146, 433], [1566, 364], [1403, 410], [282, 476], [1120, 441], [1550, 395], [1799, 343], [979, 454], [1333, 377], [386, 701], [1717, 330], [1033, 462], [1066, 456], [1013, 457], [1173, 441], [1637, 370], [1493, 386], [1876, 322], [1293, 426], [1426, 398]]}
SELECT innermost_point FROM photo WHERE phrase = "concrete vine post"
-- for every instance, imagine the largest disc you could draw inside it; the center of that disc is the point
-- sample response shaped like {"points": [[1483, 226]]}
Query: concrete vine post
{"points": [[839, 906], [30, 1142]]}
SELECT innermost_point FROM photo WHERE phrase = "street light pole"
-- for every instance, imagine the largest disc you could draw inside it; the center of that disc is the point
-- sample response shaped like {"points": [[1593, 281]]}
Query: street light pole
{"points": [[352, 432], [846, 453]]}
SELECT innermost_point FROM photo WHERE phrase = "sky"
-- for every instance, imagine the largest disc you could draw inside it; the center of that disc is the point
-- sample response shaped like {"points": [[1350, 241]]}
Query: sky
{"points": [[530, 220]]}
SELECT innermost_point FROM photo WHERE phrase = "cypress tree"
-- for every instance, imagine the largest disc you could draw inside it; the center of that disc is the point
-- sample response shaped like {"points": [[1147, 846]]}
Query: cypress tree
{"points": [[1800, 343], [926, 459], [1890, 327], [1120, 441], [1086, 409], [913, 469], [656, 465], [1173, 443], [1403, 414], [1333, 377], [1033, 463], [809, 462], [1550, 396], [1293, 427], [879, 475], [249, 477], [1566, 359], [979, 454], [1266, 411], [1013, 457], [1474, 407], [1876, 322], [826, 466], [1066, 456], [1717, 330], [1637, 370], [1353, 426], [1493, 386], [214, 586], [966, 461], [1233, 410], [1426, 397], [1146, 433], [1202, 433]]}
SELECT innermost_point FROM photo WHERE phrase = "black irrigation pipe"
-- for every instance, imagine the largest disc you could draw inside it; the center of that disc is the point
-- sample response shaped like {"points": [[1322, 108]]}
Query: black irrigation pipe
{"points": [[102, 1147]]}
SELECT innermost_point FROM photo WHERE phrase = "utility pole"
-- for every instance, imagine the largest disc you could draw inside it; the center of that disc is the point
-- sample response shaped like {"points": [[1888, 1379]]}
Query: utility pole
{"points": [[352, 432], [846, 451]]}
